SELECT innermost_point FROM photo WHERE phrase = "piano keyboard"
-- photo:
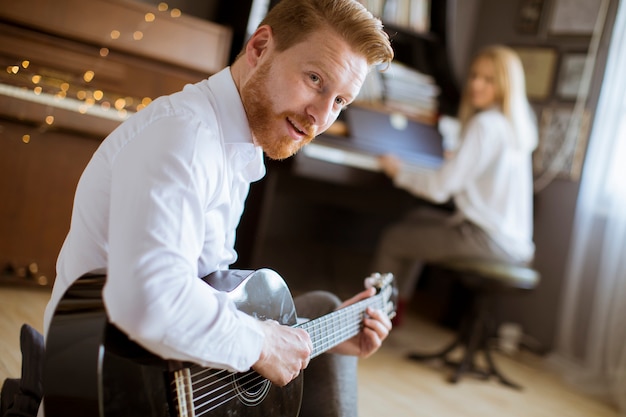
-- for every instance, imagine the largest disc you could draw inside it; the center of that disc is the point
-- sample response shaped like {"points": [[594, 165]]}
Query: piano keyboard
{"points": [[352, 158]]}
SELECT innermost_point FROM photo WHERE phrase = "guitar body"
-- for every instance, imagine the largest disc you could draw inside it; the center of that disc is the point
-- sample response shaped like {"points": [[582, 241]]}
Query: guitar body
{"points": [[92, 369]]}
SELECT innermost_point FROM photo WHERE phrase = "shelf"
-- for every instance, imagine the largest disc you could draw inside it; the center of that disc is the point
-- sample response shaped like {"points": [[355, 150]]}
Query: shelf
{"points": [[409, 34]]}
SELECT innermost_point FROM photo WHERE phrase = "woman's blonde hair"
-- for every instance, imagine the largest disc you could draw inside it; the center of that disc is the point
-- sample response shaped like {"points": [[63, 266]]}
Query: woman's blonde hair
{"points": [[510, 85], [293, 20]]}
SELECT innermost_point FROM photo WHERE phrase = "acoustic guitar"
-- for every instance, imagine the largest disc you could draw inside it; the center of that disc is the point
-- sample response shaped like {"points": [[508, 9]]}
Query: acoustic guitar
{"points": [[92, 369]]}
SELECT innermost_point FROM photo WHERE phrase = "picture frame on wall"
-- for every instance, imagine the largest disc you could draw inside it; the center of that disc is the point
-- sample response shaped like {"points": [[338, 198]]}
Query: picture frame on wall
{"points": [[529, 16], [571, 72], [558, 148], [539, 69], [573, 17]]}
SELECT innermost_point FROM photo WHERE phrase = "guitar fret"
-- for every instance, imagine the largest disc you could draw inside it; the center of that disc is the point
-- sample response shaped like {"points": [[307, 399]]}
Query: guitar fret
{"points": [[336, 327]]}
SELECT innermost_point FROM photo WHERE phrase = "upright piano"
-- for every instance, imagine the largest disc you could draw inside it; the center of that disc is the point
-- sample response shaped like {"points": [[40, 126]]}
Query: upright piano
{"points": [[317, 217]]}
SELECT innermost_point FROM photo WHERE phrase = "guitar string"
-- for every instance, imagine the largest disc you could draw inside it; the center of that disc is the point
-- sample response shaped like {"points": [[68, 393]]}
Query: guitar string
{"points": [[322, 343], [314, 325], [208, 371], [256, 381], [213, 402], [213, 391], [346, 333], [210, 391], [321, 323]]}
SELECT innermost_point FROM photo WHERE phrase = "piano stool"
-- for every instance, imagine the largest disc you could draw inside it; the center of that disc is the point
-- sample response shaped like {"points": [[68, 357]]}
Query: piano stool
{"points": [[484, 280]]}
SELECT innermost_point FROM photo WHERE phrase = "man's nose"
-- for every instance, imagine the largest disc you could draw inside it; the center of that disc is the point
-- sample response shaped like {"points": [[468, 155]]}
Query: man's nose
{"points": [[321, 111]]}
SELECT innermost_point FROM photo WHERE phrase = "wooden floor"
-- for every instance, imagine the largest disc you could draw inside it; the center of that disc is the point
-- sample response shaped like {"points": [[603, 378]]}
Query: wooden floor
{"points": [[389, 384]]}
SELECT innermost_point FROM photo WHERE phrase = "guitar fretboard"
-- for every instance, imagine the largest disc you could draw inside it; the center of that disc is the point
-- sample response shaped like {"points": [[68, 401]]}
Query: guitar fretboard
{"points": [[336, 327]]}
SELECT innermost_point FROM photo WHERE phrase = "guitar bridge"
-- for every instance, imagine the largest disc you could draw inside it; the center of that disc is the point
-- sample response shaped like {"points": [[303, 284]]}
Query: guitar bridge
{"points": [[183, 393]]}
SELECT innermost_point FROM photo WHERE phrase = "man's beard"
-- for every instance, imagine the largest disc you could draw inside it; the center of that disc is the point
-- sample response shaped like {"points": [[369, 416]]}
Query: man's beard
{"points": [[261, 117]]}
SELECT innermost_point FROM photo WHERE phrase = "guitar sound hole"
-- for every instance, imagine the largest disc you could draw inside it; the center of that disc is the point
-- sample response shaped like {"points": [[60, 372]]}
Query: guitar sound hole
{"points": [[251, 387]]}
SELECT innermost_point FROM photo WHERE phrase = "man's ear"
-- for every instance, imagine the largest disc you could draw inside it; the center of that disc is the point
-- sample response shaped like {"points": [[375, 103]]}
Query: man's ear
{"points": [[259, 44]]}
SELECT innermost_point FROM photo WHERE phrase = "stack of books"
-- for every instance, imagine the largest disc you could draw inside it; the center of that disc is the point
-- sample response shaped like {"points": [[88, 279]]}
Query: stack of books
{"points": [[413, 15], [402, 89], [411, 92]]}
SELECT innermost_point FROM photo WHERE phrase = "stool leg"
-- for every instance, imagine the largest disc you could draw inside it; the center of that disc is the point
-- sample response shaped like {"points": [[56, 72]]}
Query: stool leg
{"points": [[474, 343], [473, 336], [464, 333], [493, 370]]}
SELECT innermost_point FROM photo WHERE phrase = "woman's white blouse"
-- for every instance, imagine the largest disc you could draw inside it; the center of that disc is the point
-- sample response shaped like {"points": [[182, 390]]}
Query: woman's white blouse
{"points": [[490, 180]]}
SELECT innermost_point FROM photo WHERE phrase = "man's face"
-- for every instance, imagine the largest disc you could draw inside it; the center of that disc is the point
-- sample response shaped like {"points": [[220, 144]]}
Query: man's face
{"points": [[295, 95]]}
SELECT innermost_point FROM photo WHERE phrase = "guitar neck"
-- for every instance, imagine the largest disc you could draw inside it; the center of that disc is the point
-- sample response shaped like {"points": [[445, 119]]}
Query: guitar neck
{"points": [[331, 329]]}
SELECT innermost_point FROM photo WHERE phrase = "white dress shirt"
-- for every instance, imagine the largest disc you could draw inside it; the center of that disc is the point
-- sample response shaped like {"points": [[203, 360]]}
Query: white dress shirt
{"points": [[157, 206], [490, 180]]}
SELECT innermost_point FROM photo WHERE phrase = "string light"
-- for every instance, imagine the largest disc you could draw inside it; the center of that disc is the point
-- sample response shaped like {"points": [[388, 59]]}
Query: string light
{"points": [[120, 103], [52, 85], [60, 86], [56, 87], [88, 76]]}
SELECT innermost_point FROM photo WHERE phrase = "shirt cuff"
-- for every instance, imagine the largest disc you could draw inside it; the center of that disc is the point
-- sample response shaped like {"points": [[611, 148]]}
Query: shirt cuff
{"points": [[251, 338]]}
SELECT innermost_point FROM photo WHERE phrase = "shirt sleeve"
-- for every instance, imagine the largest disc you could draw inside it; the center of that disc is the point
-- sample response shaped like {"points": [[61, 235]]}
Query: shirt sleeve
{"points": [[476, 150], [161, 183]]}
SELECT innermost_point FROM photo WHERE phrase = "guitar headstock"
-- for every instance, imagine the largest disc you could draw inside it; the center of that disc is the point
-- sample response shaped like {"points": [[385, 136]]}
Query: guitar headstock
{"points": [[386, 287]]}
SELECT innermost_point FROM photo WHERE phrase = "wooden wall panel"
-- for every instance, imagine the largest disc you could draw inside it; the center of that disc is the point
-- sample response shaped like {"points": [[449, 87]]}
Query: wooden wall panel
{"points": [[37, 184]]}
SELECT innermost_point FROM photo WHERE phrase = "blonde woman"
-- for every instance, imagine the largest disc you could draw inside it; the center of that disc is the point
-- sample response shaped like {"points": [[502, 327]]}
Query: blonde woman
{"points": [[488, 177]]}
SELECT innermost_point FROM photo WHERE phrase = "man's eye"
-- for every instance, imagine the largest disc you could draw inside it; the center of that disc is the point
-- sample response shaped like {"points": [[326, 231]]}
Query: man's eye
{"points": [[340, 101], [315, 78]]}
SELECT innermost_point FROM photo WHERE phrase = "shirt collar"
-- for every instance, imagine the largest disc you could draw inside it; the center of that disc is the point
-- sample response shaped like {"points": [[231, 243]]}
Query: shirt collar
{"points": [[235, 129]]}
